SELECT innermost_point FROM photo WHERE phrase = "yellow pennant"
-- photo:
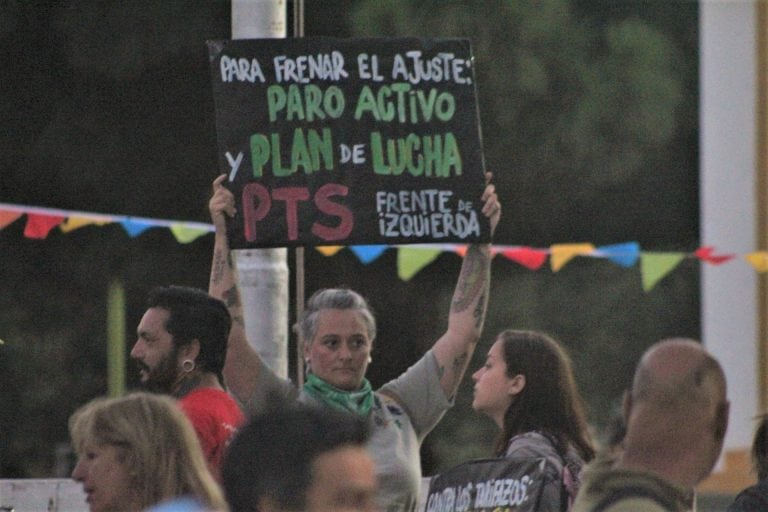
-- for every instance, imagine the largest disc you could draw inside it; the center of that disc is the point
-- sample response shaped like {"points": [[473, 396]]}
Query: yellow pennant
{"points": [[329, 250], [759, 260], [75, 222], [560, 254]]}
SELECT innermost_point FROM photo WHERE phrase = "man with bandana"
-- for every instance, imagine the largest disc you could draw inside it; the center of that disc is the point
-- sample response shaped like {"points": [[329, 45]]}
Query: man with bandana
{"points": [[180, 351]]}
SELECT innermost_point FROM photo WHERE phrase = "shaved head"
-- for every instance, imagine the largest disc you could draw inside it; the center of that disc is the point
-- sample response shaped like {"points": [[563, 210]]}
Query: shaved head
{"points": [[678, 372], [676, 412]]}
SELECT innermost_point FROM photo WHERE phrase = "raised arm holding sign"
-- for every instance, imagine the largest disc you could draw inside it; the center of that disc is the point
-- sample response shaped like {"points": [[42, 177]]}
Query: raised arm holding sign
{"points": [[374, 141], [337, 332]]}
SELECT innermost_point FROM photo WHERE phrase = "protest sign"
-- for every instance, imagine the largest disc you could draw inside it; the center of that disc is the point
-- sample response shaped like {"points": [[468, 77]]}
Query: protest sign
{"points": [[349, 141], [505, 484]]}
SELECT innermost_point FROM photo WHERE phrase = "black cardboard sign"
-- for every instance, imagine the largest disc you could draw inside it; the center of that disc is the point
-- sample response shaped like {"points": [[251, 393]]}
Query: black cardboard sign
{"points": [[504, 484], [349, 141]]}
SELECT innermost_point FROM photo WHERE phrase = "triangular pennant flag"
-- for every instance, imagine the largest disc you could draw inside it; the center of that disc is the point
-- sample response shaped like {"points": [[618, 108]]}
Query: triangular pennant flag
{"points": [[759, 260], [329, 250], [38, 225], [655, 265], [707, 253], [563, 253], [76, 222], [185, 234], [135, 227], [411, 260], [7, 217], [532, 259], [368, 253], [625, 254]]}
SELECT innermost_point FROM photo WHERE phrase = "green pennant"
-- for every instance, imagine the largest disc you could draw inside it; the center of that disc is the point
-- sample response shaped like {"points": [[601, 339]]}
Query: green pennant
{"points": [[185, 234], [655, 265], [411, 260]]}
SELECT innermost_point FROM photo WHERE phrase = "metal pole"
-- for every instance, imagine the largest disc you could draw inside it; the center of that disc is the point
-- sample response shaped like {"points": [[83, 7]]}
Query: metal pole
{"points": [[263, 274], [298, 31], [298, 18]]}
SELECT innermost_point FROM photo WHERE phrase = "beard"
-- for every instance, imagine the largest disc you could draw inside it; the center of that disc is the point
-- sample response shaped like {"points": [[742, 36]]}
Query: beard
{"points": [[162, 378]]}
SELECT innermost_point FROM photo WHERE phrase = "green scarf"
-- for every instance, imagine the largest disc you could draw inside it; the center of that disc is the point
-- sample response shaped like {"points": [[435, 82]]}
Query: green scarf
{"points": [[358, 402]]}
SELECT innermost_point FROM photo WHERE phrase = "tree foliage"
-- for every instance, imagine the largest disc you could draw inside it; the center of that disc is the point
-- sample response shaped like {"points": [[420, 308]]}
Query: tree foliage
{"points": [[579, 114], [588, 122]]}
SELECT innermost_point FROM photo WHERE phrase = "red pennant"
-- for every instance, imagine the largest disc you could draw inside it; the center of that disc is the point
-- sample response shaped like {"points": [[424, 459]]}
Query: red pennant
{"points": [[529, 258], [706, 253], [38, 226]]}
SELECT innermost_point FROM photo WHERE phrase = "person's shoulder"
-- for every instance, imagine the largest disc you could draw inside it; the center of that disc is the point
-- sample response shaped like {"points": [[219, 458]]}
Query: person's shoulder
{"points": [[206, 394], [208, 399], [629, 499], [633, 504], [533, 444], [606, 488], [751, 499]]}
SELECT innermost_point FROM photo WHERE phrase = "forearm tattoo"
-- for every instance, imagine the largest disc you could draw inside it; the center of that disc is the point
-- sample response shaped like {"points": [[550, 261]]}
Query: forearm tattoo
{"points": [[472, 281], [460, 363], [231, 297], [479, 312], [219, 262]]}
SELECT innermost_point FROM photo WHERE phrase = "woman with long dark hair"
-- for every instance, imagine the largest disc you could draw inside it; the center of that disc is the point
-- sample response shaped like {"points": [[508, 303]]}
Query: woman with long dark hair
{"points": [[527, 387]]}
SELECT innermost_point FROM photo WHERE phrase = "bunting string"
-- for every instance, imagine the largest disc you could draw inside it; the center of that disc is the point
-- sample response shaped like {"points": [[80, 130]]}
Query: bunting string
{"points": [[411, 259]]}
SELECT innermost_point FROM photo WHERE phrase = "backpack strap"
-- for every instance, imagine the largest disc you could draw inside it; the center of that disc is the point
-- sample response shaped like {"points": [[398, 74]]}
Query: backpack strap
{"points": [[570, 480]]}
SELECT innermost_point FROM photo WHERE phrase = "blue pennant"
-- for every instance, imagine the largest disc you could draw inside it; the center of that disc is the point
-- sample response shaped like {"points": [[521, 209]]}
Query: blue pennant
{"points": [[368, 253], [135, 227], [625, 254]]}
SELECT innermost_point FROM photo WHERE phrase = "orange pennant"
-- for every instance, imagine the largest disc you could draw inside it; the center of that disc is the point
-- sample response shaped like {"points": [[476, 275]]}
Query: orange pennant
{"points": [[8, 217]]}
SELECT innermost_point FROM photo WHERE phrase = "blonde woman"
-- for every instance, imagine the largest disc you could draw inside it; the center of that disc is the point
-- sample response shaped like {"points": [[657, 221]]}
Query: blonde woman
{"points": [[138, 451]]}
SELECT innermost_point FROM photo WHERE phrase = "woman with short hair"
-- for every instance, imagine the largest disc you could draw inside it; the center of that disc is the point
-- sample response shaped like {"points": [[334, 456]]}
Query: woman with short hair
{"points": [[337, 332]]}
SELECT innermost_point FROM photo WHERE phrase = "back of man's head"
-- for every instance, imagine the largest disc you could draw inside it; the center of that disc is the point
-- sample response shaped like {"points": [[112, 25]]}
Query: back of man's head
{"points": [[195, 315], [676, 412], [271, 458]]}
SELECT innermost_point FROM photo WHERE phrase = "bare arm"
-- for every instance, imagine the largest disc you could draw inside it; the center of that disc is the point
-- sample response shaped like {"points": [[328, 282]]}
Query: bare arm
{"points": [[243, 362], [470, 299]]}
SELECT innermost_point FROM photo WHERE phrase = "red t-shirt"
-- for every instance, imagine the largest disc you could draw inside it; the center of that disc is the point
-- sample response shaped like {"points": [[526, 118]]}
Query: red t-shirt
{"points": [[216, 417]]}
